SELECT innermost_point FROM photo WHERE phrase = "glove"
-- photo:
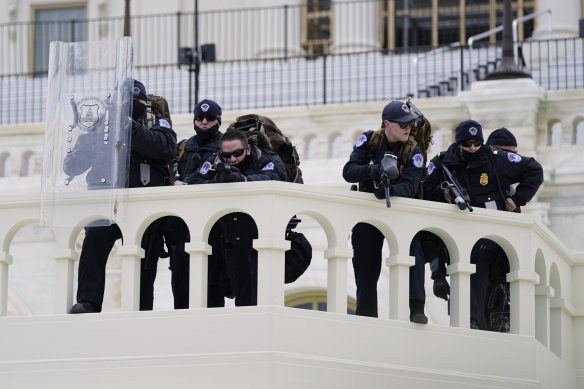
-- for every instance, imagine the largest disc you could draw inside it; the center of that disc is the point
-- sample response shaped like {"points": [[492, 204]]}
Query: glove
{"points": [[441, 288], [374, 172], [233, 177]]}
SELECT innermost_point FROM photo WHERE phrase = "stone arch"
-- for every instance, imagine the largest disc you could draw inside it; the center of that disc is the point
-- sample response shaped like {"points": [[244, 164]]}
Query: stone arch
{"points": [[4, 164], [556, 321], [310, 146], [388, 235], [541, 300], [554, 132], [27, 163], [578, 133], [335, 145], [13, 230]]}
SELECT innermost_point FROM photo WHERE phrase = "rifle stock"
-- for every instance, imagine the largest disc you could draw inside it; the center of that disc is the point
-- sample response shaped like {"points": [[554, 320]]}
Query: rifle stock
{"points": [[461, 198]]}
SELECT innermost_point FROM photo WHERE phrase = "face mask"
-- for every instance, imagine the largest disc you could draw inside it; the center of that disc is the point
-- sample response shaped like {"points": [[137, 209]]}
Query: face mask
{"points": [[138, 110], [468, 156], [207, 135]]}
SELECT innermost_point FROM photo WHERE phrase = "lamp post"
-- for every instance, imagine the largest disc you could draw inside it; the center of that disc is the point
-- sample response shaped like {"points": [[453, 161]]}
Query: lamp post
{"points": [[127, 19], [508, 68]]}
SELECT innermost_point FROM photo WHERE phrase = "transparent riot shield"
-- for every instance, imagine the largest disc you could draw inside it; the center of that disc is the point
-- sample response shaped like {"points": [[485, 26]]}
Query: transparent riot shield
{"points": [[87, 132]]}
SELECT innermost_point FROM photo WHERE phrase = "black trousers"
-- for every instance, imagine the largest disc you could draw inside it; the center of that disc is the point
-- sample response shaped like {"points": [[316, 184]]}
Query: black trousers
{"points": [[97, 245]]}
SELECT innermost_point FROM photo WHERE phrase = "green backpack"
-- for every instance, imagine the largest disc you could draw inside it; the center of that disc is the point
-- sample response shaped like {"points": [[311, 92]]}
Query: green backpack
{"points": [[263, 132]]}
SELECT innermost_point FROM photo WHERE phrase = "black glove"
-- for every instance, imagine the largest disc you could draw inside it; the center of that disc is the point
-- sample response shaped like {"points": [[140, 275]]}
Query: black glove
{"points": [[441, 288], [136, 124], [233, 177], [374, 172]]}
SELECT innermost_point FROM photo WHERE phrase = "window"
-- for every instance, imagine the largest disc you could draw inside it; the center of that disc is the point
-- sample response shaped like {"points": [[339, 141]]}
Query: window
{"points": [[555, 138], [56, 24], [4, 164], [317, 26], [315, 300], [579, 138]]}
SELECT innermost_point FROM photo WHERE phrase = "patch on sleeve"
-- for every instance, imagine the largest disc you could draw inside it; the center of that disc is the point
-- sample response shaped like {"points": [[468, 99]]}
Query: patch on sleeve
{"points": [[269, 166], [163, 123], [418, 160], [514, 158], [431, 168], [362, 139], [205, 168]]}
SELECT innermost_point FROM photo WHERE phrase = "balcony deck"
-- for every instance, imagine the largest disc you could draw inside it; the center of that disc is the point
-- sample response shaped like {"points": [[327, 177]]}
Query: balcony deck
{"points": [[271, 346]]}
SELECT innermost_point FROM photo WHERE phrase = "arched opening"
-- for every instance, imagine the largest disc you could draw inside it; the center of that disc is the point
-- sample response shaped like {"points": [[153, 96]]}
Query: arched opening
{"points": [[311, 147], [556, 322], [27, 164], [316, 300], [555, 133], [579, 132], [336, 143], [4, 164]]}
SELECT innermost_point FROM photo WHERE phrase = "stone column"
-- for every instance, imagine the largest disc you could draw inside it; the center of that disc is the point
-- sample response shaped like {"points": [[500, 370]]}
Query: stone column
{"points": [[271, 260], [198, 270], [65, 259], [131, 256], [355, 27], [399, 286], [5, 261], [460, 293], [543, 293], [522, 287], [336, 297], [565, 18]]}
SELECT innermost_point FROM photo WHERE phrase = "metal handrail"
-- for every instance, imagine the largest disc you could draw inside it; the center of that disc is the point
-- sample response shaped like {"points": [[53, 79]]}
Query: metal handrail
{"points": [[495, 30], [525, 18]]}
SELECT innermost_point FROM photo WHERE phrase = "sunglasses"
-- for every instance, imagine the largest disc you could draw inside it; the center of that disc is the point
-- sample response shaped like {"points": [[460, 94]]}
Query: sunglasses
{"points": [[468, 143], [236, 153], [404, 125], [209, 118]]}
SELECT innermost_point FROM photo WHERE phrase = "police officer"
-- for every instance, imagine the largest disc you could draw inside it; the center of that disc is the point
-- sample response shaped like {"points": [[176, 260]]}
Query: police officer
{"points": [[151, 149], [194, 168], [245, 162], [364, 167], [502, 139], [484, 173]]}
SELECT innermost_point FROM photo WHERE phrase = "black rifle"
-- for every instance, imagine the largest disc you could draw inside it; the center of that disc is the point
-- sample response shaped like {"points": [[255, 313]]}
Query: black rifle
{"points": [[389, 171], [461, 198]]}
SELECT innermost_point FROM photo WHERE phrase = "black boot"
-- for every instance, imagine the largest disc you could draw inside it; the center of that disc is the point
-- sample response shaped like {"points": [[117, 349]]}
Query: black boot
{"points": [[417, 312]]}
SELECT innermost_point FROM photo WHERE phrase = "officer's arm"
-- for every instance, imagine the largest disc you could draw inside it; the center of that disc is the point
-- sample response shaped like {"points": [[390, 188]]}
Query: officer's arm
{"points": [[82, 155], [355, 169], [409, 181], [433, 181], [530, 179], [159, 142]]}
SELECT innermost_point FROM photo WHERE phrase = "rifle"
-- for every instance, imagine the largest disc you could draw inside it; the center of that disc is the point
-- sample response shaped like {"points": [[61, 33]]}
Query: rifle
{"points": [[461, 198], [389, 171]]}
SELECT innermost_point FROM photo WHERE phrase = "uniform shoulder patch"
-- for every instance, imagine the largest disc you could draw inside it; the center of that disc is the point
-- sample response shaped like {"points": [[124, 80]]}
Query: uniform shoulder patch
{"points": [[431, 168], [205, 168], [418, 160], [362, 139], [269, 166], [514, 158], [163, 123]]}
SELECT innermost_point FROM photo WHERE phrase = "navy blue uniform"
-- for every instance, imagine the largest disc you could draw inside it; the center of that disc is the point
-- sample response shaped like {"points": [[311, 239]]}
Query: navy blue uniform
{"points": [[195, 168], [367, 240], [238, 230], [151, 149], [479, 178]]}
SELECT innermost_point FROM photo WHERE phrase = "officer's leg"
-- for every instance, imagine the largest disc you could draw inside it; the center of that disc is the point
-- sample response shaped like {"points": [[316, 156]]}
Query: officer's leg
{"points": [[239, 230], [148, 268], [478, 285], [217, 282], [179, 277], [96, 248], [367, 244], [417, 275]]}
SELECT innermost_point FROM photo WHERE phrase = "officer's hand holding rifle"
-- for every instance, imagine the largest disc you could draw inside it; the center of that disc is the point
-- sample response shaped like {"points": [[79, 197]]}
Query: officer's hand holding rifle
{"points": [[389, 171], [451, 185], [224, 172]]}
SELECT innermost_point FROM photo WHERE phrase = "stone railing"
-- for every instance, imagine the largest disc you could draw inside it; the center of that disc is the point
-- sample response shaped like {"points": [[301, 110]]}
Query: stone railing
{"points": [[542, 270]]}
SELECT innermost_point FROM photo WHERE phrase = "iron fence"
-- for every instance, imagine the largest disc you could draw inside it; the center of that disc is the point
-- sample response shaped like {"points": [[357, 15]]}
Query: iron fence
{"points": [[322, 79]]}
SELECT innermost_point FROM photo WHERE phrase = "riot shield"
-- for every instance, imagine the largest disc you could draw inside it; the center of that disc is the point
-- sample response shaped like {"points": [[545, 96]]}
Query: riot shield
{"points": [[87, 132]]}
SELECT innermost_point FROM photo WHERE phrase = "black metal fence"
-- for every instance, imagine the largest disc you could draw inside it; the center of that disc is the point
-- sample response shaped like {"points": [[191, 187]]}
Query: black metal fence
{"points": [[324, 79]]}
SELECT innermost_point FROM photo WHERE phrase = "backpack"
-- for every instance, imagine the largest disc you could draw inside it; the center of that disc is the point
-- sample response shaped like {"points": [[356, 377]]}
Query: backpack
{"points": [[419, 136], [263, 132], [157, 105]]}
